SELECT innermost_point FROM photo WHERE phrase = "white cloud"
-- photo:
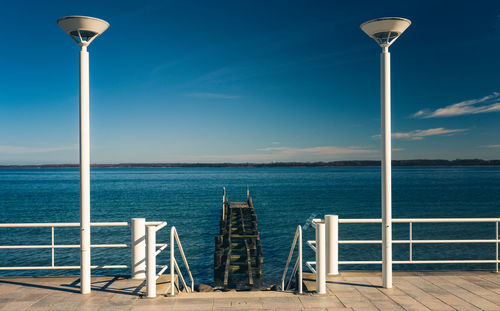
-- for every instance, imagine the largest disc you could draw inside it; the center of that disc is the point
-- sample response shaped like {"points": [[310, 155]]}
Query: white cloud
{"points": [[322, 150], [321, 153], [493, 146], [490, 103], [213, 96], [420, 134], [20, 150]]}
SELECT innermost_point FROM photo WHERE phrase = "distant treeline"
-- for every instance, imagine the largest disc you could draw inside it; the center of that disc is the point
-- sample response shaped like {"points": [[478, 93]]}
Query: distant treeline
{"points": [[458, 162]]}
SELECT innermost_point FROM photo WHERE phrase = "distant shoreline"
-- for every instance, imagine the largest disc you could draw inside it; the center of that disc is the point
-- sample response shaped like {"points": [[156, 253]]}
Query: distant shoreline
{"points": [[367, 163]]}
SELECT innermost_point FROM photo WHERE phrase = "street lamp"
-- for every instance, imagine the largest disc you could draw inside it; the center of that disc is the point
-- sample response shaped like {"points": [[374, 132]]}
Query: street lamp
{"points": [[385, 31], [84, 30]]}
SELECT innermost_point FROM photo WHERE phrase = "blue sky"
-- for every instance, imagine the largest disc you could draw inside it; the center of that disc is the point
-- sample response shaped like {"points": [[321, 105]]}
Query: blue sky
{"points": [[257, 81]]}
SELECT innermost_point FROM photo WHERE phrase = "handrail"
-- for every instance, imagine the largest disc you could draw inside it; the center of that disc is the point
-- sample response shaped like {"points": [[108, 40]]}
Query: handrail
{"points": [[416, 220], [174, 237], [298, 262], [410, 241], [54, 246], [151, 245]]}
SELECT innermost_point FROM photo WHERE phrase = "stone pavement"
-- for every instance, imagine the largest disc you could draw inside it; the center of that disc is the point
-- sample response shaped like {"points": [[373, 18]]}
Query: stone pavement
{"points": [[349, 291]]}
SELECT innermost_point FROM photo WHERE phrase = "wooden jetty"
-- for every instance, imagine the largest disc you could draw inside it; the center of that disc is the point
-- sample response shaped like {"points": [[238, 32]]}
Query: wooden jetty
{"points": [[238, 252]]}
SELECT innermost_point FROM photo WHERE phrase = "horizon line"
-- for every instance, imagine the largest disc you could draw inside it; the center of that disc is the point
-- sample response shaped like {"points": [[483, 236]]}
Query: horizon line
{"points": [[409, 162]]}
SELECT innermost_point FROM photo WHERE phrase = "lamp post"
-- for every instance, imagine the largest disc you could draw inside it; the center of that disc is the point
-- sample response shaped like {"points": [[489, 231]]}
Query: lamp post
{"points": [[385, 31], [84, 30]]}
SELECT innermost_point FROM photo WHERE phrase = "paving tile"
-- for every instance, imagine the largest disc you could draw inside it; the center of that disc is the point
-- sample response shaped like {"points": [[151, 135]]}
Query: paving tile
{"points": [[152, 308], [486, 293], [459, 298], [31, 308], [192, 307], [373, 294], [350, 291], [428, 300], [17, 306], [321, 302], [484, 283], [114, 308], [222, 302]]}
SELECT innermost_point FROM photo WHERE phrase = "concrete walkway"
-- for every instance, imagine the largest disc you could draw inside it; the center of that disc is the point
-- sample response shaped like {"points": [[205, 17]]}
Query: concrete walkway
{"points": [[349, 291]]}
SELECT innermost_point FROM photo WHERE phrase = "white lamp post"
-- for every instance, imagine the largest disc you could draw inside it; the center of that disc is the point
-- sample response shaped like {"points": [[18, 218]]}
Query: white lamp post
{"points": [[385, 31], [84, 30]]}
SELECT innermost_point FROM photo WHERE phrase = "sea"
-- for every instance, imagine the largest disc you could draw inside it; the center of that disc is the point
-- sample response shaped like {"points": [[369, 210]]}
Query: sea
{"points": [[191, 200]]}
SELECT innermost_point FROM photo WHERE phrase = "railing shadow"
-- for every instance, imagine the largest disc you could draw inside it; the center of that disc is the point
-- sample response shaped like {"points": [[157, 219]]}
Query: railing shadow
{"points": [[354, 284], [115, 285]]}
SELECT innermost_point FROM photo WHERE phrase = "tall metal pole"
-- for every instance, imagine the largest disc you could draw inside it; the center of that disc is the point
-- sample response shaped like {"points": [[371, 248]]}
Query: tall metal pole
{"points": [[84, 173], [385, 87]]}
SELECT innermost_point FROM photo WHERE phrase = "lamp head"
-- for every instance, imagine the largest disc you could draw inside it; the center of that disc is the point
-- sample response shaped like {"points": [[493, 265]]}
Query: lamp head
{"points": [[385, 30], [83, 29]]}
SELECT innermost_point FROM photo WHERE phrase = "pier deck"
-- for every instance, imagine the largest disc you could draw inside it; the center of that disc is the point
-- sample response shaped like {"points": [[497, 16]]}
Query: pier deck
{"points": [[238, 251], [349, 291]]}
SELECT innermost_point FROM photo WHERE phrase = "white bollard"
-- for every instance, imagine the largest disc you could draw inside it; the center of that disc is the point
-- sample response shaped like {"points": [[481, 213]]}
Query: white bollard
{"points": [[332, 244], [320, 258], [138, 246], [151, 262]]}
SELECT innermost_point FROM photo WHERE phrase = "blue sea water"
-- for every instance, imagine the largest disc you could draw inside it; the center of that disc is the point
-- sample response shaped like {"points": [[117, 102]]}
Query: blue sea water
{"points": [[190, 199]]}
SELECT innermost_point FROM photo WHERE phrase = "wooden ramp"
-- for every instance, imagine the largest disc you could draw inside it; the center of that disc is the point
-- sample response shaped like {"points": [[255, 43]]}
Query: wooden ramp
{"points": [[238, 252]]}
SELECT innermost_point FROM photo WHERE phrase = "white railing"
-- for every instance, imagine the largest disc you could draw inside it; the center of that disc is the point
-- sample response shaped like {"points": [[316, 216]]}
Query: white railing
{"points": [[411, 241], [298, 262], [143, 246], [151, 253], [174, 238], [54, 246], [143, 253], [326, 245]]}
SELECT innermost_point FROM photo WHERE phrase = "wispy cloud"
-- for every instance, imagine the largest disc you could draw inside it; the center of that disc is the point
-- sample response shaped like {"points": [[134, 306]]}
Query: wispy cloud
{"points": [[420, 134], [20, 150], [493, 146], [214, 96], [322, 150], [490, 103], [320, 153]]}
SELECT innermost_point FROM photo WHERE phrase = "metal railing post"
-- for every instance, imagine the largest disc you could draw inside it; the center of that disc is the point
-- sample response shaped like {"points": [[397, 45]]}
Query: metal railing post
{"points": [[53, 261], [138, 248], [320, 258], [332, 244], [172, 261], [300, 260], [151, 262], [411, 242], [496, 246]]}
